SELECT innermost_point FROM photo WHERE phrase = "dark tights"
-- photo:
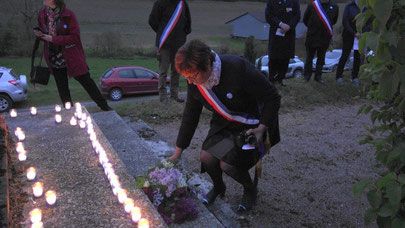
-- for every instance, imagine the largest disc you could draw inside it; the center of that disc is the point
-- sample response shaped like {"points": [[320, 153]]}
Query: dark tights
{"points": [[215, 167]]}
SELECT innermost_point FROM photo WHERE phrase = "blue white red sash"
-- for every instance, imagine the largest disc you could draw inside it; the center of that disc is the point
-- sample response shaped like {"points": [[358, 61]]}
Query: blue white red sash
{"points": [[213, 100], [170, 25], [323, 16]]}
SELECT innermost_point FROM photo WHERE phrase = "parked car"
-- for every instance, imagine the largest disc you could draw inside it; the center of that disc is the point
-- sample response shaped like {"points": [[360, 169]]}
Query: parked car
{"points": [[13, 88], [119, 81], [295, 67], [332, 61]]}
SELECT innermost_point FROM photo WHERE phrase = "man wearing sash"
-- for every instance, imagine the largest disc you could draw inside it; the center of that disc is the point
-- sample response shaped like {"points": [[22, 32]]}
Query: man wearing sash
{"points": [[171, 21], [319, 17], [242, 101]]}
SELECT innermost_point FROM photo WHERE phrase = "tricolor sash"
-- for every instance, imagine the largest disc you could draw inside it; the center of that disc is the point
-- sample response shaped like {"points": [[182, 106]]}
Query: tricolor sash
{"points": [[170, 25], [213, 100], [323, 16]]}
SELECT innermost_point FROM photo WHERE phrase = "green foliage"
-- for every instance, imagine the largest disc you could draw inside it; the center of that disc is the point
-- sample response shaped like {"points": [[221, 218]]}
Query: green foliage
{"points": [[386, 68]]}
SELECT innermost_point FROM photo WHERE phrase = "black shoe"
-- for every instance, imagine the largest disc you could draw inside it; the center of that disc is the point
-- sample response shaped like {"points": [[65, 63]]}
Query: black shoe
{"points": [[319, 80], [177, 99], [213, 193], [248, 200], [106, 108]]}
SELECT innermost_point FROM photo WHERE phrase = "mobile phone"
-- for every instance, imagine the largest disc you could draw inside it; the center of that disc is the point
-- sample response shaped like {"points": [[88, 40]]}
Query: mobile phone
{"points": [[38, 29]]}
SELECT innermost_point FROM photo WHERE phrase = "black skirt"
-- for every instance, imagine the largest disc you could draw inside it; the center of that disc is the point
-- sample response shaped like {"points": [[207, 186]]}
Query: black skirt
{"points": [[223, 146]]}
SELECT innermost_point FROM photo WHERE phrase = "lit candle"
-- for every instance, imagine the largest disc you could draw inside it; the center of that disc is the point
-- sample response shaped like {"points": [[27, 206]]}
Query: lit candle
{"points": [[78, 115], [73, 121], [37, 225], [36, 215], [37, 189], [84, 117], [88, 121], [58, 118], [114, 181], [31, 173], [19, 147], [17, 131], [78, 106], [95, 144], [128, 205], [22, 156], [33, 111], [68, 105], [136, 214], [13, 113], [82, 124], [21, 136], [93, 136], [116, 189], [58, 108], [143, 223], [50, 197], [122, 195]]}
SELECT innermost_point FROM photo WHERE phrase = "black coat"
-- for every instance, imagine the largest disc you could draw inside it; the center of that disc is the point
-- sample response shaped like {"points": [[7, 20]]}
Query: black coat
{"points": [[349, 22], [317, 34], [240, 89], [159, 17], [288, 12]]}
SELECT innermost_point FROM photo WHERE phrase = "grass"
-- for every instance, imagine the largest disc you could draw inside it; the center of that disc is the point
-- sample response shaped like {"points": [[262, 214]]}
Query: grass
{"points": [[295, 96], [41, 95]]}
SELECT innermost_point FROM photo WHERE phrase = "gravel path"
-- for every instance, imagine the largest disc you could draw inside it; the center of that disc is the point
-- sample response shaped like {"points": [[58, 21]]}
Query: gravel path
{"points": [[308, 177]]}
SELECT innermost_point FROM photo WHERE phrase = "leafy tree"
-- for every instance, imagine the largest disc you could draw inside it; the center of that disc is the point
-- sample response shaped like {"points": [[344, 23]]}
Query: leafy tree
{"points": [[386, 68]]}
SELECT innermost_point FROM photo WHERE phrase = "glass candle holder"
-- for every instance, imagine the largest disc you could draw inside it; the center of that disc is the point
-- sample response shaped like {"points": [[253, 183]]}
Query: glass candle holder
{"points": [[136, 214], [73, 121], [58, 118], [143, 223], [36, 215], [68, 105], [22, 156], [82, 124], [50, 197], [33, 111], [38, 189], [21, 136], [13, 113], [37, 225], [31, 173], [17, 131], [122, 195], [128, 205], [58, 108], [19, 147]]}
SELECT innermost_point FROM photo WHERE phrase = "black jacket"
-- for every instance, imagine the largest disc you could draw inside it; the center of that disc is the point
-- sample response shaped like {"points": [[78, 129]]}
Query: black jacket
{"points": [[286, 11], [349, 23], [240, 89], [159, 17], [317, 34]]}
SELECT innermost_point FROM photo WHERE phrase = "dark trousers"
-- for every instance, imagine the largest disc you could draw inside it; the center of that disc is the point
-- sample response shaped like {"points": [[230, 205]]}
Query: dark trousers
{"points": [[347, 48], [277, 69], [320, 53], [85, 80], [166, 59]]}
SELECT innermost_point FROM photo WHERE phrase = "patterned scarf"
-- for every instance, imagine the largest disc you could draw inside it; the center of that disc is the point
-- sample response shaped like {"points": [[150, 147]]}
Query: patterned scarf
{"points": [[55, 52], [213, 80]]}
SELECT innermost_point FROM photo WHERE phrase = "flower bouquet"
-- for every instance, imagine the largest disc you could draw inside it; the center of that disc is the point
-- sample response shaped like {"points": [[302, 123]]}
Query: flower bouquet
{"points": [[167, 188]]}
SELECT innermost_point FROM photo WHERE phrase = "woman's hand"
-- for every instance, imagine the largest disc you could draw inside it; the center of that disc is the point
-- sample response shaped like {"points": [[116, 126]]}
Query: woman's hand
{"points": [[38, 33], [47, 38], [258, 132], [175, 158]]}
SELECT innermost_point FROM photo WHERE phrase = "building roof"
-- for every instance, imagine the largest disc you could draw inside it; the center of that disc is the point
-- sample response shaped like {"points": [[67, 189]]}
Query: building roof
{"points": [[259, 16]]}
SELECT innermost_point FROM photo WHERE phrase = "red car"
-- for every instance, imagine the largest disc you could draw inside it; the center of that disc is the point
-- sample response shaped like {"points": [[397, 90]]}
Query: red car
{"points": [[119, 81]]}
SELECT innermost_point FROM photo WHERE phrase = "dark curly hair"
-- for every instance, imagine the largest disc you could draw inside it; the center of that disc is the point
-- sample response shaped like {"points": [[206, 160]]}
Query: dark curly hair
{"points": [[60, 3]]}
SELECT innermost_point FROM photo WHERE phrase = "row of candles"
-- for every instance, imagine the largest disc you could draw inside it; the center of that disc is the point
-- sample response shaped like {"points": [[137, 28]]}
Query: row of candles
{"points": [[81, 118], [113, 178], [37, 188]]}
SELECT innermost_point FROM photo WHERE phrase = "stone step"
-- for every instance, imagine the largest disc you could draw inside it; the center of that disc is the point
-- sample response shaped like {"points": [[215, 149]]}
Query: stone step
{"points": [[218, 214], [66, 162]]}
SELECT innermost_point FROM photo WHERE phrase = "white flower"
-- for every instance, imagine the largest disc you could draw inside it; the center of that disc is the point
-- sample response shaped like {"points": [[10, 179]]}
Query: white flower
{"points": [[146, 184], [167, 164]]}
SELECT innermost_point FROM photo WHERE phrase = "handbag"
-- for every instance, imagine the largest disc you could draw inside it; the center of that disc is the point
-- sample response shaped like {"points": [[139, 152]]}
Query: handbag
{"points": [[39, 74]]}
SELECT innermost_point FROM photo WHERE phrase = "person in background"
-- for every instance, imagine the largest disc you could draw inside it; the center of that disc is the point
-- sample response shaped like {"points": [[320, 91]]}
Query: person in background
{"points": [[350, 37], [63, 51], [243, 103], [283, 16], [319, 17], [171, 21]]}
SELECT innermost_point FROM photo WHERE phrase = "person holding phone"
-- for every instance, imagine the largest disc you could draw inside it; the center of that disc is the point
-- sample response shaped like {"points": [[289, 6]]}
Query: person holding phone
{"points": [[63, 51], [245, 109]]}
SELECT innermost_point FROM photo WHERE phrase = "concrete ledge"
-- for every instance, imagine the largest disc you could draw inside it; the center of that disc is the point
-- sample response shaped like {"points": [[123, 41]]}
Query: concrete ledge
{"points": [[67, 164]]}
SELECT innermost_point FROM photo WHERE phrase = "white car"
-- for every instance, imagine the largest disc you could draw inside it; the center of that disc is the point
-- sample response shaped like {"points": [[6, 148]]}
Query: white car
{"points": [[332, 61], [295, 67], [13, 88]]}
